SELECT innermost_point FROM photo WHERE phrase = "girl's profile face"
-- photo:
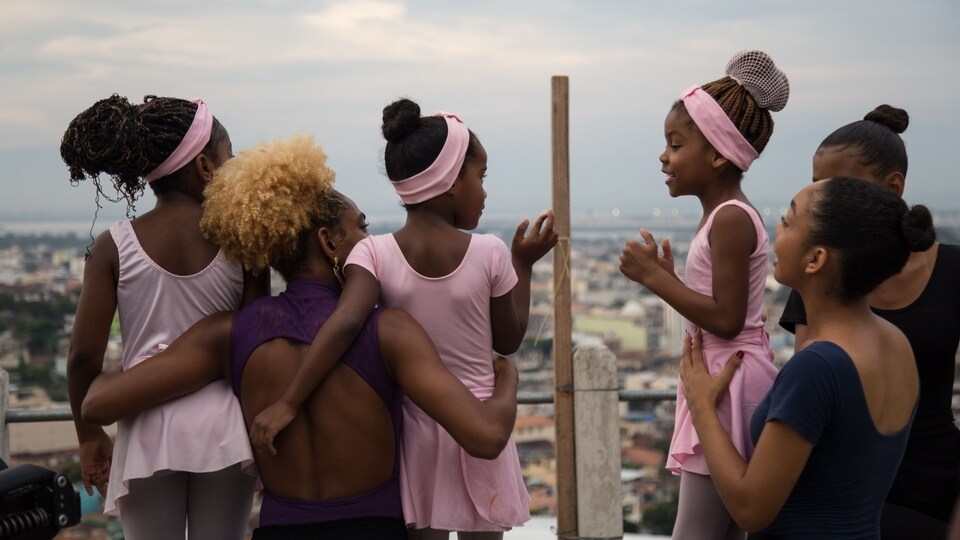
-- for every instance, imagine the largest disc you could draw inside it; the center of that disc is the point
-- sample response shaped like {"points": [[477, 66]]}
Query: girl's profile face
{"points": [[791, 243], [686, 158], [353, 222], [470, 193]]}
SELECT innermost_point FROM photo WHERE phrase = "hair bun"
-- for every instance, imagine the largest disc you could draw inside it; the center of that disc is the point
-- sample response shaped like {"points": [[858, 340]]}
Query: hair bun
{"points": [[400, 119], [891, 117], [917, 227], [757, 73]]}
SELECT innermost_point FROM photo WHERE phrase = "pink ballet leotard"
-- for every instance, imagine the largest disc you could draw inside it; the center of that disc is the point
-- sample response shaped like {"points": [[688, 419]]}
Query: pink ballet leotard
{"points": [[441, 486], [756, 374], [200, 432]]}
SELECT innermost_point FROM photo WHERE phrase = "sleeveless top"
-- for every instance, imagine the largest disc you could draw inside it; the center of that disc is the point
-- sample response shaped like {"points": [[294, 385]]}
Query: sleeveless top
{"points": [[753, 379], [203, 431], [297, 314]]}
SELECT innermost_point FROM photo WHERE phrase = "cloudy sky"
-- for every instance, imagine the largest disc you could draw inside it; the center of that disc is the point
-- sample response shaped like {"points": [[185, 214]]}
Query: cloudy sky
{"points": [[273, 68]]}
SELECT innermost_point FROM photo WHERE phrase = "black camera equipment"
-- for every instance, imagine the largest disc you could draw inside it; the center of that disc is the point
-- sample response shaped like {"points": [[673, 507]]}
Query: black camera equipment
{"points": [[35, 503]]}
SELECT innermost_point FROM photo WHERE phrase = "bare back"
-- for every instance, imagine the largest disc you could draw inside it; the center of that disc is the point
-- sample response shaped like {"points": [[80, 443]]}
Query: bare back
{"points": [[341, 444], [887, 370], [170, 235]]}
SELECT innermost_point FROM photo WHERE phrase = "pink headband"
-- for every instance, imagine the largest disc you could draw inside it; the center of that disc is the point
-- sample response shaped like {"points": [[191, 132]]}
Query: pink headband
{"points": [[440, 175], [717, 127], [192, 144]]}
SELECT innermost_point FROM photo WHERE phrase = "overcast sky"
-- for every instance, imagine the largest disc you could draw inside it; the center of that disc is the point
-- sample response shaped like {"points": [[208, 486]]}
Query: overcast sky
{"points": [[276, 68]]}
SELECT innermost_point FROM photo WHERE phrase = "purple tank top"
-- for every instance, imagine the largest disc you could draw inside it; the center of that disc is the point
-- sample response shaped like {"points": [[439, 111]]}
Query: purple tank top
{"points": [[297, 314]]}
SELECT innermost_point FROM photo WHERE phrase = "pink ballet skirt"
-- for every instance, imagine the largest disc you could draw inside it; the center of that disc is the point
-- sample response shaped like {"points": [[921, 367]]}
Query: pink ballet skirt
{"points": [[750, 384], [443, 487]]}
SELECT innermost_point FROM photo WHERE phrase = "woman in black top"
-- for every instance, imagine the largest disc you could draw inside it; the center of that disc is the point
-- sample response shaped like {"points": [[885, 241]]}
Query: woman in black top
{"points": [[923, 301]]}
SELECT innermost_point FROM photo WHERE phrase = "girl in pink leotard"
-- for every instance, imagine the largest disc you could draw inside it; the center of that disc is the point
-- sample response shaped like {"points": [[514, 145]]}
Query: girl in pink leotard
{"points": [[472, 296], [713, 134]]}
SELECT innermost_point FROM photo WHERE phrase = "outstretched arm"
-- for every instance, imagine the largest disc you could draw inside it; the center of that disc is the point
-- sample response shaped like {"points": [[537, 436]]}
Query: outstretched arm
{"points": [[359, 297], [510, 313], [754, 492], [199, 356], [482, 428]]}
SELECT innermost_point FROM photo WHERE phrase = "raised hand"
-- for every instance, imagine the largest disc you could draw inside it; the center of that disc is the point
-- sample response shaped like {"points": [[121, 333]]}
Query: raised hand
{"points": [[526, 249], [666, 260], [640, 260], [268, 424]]}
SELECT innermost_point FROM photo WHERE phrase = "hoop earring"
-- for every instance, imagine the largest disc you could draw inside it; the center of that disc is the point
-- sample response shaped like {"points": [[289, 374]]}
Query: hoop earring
{"points": [[336, 270]]}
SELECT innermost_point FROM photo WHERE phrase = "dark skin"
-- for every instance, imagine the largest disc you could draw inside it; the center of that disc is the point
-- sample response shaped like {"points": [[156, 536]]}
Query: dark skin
{"points": [[321, 455], [184, 252], [901, 289], [695, 168], [755, 492], [434, 243]]}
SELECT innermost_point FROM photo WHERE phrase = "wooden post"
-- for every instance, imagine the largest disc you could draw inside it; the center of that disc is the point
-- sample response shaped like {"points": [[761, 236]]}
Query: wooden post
{"points": [[4, 407], [562, 324], [597, 415]]}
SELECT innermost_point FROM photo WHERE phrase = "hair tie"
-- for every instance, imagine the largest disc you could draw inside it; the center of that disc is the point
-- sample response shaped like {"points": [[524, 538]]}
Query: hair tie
{"points": [[717, 127], [192, 144], [441, 174]]}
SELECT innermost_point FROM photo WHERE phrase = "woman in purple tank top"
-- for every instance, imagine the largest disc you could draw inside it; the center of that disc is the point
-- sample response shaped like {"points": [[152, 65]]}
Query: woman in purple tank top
{"points": [[335, 470]]}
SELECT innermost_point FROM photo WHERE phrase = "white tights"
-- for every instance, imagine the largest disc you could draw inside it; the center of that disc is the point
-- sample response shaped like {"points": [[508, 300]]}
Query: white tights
{"points": [[171, 505]]}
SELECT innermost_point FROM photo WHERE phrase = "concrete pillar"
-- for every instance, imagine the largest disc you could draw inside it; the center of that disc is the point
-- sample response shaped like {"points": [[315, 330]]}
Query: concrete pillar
{"points": [[597, 427]]}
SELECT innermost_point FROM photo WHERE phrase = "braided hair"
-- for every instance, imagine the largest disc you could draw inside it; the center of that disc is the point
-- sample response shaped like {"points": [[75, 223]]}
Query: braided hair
{"points": [[127, 141], [752, 87]]}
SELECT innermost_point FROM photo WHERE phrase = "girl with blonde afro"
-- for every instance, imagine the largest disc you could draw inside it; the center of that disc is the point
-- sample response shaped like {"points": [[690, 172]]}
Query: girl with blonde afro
{"points": [[335, 471]]}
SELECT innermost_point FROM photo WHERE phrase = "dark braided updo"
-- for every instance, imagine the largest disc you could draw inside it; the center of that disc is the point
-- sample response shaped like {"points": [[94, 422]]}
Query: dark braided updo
{"points": [[755, 123], [753, 87], [127, 142]]}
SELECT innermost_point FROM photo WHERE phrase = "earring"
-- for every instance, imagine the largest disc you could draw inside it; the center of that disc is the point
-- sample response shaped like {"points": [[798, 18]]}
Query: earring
{"points": [[336, 270]]}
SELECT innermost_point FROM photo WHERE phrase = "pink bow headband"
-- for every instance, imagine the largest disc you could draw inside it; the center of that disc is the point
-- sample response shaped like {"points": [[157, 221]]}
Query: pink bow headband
{"points": [[440, 175], [192, 144], [717, 127]]}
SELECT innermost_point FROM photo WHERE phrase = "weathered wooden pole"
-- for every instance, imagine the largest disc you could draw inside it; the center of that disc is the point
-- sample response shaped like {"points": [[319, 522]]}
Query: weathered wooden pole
{"points": [[562, 324]]}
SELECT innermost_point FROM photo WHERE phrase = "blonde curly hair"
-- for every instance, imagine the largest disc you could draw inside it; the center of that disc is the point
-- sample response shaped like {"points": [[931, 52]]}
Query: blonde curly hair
{"points": [[262, 204]]}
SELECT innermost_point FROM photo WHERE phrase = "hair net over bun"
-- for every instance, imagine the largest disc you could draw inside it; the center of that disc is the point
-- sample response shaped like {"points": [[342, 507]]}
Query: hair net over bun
{"points": [[756, 72]]}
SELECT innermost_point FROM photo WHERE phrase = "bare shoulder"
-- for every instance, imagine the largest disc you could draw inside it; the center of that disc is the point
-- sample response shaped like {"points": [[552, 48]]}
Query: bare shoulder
{"points": [[733, 223]]}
